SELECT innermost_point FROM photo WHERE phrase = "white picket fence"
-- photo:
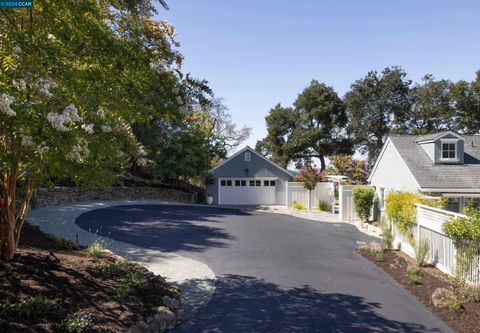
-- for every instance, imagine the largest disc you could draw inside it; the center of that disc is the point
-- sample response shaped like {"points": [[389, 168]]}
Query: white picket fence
{"points": [[325, 192], [442, 249]]}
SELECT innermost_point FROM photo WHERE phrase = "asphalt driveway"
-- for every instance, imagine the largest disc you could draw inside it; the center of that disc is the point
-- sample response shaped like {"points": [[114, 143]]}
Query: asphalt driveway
{"points": [[276, 273]]}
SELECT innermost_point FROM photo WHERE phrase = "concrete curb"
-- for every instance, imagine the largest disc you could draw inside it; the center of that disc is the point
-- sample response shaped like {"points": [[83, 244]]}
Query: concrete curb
{"points": [[196, 280]]}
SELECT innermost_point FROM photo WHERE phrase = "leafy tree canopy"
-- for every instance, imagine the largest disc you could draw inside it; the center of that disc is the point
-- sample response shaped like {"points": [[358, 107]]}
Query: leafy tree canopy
{"points": [[356, 171], [376, 104], [72, 81], [313, 128], [184, 149]]}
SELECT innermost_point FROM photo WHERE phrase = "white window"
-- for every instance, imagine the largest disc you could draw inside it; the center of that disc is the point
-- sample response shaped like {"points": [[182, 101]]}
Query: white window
{"points": [[248, 156], [449, 150]]}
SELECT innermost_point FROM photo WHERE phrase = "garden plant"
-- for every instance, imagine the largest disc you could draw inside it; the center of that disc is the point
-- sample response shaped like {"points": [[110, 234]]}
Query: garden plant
{"points": [[363, 201]]}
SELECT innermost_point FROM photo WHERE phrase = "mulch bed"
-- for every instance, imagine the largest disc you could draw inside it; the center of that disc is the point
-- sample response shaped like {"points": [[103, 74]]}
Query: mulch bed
{"points": [[72, 283], [396, 263]]}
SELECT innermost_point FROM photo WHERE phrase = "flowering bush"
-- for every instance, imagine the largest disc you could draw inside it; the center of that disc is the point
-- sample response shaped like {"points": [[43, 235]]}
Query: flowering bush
{"points": [[310, 176], [400, 209], [70, 90]]}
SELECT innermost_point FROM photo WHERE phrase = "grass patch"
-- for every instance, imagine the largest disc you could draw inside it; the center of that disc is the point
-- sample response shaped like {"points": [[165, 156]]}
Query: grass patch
{"points": [[64, 244], [132, 280], [37, 307], [96, 248], [117, 268], [414, 275]]}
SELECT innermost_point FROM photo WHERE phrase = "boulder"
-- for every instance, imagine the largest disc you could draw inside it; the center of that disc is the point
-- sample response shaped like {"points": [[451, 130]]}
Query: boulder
{"points": [[171, 303], [161, 322], [442, 296], [166, 313], [375, 247]]}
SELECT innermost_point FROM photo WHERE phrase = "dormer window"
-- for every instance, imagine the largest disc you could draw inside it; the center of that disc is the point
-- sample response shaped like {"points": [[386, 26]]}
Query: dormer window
{"points": [[449, 149], [248, 156]]}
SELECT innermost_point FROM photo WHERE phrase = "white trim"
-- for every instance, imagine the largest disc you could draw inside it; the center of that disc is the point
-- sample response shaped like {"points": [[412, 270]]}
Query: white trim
{"points": [[461, 195], [449, 159], [259, 155], [438, 210], [450, 190]]}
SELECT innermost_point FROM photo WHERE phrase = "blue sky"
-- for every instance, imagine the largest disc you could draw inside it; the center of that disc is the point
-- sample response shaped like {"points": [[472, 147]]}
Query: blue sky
{"points": [[256, 53]]}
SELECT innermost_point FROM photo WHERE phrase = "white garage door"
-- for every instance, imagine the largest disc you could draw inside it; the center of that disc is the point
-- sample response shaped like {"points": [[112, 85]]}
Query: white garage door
{"points": [[237, 191]]}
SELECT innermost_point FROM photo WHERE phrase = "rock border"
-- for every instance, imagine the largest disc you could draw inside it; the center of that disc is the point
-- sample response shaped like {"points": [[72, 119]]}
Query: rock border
{"points": [[195, 279]]}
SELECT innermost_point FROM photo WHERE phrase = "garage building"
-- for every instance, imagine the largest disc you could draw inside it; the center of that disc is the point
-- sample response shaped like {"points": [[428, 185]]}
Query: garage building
{"points": [[248, 178]]}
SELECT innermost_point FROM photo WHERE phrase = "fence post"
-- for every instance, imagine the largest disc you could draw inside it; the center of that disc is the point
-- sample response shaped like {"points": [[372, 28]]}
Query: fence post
{"points": [[340, 202], [286, 192], [332, 194], [419, 217]]}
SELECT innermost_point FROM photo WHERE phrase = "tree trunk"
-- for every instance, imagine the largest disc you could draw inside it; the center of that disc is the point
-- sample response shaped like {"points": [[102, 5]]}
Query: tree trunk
{"points": [[322, 163], [11, 220]]}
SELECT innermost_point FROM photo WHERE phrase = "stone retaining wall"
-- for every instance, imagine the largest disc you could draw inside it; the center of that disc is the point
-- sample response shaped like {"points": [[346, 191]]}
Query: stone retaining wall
{"points": [[66, 195]]}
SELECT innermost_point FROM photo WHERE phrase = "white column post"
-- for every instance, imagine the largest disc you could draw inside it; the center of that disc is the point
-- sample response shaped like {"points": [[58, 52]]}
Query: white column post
{"points": [[286, 192]]}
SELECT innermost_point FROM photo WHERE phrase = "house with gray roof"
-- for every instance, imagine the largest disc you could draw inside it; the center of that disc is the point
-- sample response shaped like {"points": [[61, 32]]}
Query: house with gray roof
{"points": [[442, 164], [248, 178]]}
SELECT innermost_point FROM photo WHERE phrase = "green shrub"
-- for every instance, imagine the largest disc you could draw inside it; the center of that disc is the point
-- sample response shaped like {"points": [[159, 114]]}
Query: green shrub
{"points": [[64, 244], [422, 249], [470, 294], [323, 206], [387, 235], [132, 280], [77, 322], [414, 275], [376, 250], [465, 232], [32, 308], [108, 269], [400, 209], [96, 248], [363, 201], [298, 206], [454, 304], [379, 256], [209, 179]]}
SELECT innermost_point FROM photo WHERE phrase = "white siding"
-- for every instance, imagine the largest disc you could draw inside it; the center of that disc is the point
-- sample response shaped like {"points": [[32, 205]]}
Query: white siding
{"points": [[429, 148], [391, 172]]}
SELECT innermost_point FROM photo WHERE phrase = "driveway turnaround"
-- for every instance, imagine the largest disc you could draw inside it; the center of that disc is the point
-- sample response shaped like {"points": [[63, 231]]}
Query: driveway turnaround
{"points": [[196, 279], [275, 273]]}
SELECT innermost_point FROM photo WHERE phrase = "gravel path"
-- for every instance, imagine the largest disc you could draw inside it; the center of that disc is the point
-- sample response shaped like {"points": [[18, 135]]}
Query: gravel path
{"points": [[196, 279]]}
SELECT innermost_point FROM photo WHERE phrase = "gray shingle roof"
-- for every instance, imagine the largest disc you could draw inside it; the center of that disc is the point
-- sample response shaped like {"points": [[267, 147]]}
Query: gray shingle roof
{"points": [[430, 175]]}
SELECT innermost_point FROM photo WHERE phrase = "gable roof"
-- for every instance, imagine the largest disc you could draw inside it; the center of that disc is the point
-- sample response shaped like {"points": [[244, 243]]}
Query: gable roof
{"points": [[254, 152], [436, 136], [440, 176]]}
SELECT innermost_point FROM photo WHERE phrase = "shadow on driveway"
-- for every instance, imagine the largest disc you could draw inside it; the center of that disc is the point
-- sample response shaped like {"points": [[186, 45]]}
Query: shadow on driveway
{"points": [[167, 228], [247, 304]]}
